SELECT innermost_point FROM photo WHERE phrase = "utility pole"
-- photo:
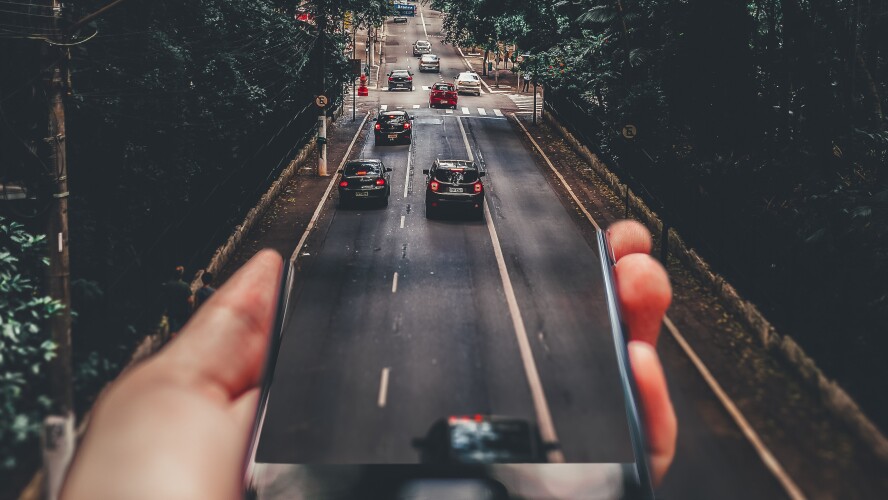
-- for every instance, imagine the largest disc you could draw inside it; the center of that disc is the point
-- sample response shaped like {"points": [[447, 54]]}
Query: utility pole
{"points": [[322, 80], [58, 435]]}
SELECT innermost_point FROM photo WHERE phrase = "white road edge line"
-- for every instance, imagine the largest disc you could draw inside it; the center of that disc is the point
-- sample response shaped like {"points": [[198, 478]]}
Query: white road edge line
{"points": [[308, 228], [383, 387], [791, 488], [317, 212], [541, 406], [395, 283]]}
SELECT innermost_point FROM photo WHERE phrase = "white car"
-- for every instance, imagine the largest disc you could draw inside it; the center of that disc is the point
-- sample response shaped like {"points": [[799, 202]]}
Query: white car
{"points": [[430, 62], [421, 47], [468, 83]]}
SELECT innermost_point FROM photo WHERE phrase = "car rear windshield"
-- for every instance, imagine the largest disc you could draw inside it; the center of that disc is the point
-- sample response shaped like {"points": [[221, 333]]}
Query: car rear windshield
{"points": [[456, 175], [443, 86], [398, 119], [362, 169]]}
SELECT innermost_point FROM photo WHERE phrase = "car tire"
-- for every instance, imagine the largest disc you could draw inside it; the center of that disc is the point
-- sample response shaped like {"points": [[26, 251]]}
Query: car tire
{"points": [[479, 213], [343, 202], [430, 212], [384, 202]]}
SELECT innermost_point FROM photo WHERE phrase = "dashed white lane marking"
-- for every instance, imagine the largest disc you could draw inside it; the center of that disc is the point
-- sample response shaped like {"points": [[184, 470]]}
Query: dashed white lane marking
{"points": [[791, 488], [383, 387], [383, 107], [395, 283], [416, 106], [497, 112], [449, 111], [402, 221], [465, 111], [482, 112], [426, 87]]}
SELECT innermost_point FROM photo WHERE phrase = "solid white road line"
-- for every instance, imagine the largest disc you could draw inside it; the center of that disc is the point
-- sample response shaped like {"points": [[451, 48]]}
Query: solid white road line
{"points": [[449, 111], [497, 112], [541, 406], [395, 283], [416, 106], [383, 107], [317, 212], [791, 488], [465, 111], [402, 221], [422, 18], [383, 387], [482, 112]]}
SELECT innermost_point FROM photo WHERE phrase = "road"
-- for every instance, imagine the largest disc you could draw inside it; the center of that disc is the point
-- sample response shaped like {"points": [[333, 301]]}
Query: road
{"points": [[399, 320]]}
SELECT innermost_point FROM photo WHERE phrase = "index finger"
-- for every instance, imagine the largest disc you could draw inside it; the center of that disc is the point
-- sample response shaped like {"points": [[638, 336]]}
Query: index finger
{"points": [[224, 344], [627, 237]]}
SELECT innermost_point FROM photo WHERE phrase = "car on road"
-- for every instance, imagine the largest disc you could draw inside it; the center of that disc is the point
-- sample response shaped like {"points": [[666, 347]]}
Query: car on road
{"points": [[443, 94], [455, 185], [481, 439], [430, 62], [400, 19], [392, 126], [400, 79], [421, 47], [468, 83], [365, 179]]}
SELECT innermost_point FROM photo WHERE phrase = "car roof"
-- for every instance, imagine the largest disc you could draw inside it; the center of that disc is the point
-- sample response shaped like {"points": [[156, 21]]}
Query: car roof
{"points": [[456, 164], [423, 41], [429, 55], [400, 71], [393, 112], [365, 160]]}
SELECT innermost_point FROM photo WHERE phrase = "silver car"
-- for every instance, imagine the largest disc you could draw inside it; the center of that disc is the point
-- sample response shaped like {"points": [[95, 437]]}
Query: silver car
{"points": [[430, 62], [421, 47], [468, 83]]}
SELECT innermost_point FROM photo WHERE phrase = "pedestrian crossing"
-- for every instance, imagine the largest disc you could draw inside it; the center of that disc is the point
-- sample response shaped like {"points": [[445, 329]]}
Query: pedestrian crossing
{"points": [[463, 111], [524, 103]]}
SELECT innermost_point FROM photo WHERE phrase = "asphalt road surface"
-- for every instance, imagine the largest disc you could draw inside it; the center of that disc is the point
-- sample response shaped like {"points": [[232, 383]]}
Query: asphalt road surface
{"points": [[398, 320]]}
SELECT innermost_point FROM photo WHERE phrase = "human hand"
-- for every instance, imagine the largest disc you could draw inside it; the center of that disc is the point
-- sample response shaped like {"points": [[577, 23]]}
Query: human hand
{"points": [[177, 426], [644, 293]]}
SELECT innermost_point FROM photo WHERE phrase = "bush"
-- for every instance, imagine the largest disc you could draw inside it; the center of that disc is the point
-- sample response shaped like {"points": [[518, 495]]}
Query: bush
{"points": [[25, 345]]}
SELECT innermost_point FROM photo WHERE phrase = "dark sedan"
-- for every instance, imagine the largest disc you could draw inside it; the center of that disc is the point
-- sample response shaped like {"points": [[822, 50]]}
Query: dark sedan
{"points": [[400, 79], [392, 126], [364, 180], [454, 184], [481, 439]]}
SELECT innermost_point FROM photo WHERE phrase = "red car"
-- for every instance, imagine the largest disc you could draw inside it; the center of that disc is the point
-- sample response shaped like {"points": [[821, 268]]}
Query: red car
{"points": [[443, 94]]}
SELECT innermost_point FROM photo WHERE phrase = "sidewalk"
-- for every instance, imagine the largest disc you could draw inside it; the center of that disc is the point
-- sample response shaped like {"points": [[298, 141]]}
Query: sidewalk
{"points": [[508, 80]]}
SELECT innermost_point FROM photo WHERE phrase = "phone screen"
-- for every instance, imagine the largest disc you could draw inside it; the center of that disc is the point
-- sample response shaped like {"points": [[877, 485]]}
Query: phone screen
{"points": [[460, 388]]}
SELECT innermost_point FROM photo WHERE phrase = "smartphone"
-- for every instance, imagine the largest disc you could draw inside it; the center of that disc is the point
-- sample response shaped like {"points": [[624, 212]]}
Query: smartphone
{"points": [[497, 451]]}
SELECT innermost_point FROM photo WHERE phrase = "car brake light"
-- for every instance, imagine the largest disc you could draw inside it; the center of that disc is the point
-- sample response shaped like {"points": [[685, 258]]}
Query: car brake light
{"points": [[478, 187], [457, 170], [390, 78], [378, 127], [406, 126], [433, 186], [409, 78], [362, 172], [343, 184], [478, 418], [380, 182]]}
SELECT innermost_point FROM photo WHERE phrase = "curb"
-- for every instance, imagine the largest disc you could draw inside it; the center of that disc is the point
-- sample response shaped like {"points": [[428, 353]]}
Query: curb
{"points": [[835, 398]]}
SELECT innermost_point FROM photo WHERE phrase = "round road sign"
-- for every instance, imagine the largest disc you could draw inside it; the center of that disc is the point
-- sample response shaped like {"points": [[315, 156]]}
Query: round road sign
{"points": [[321, 101]]}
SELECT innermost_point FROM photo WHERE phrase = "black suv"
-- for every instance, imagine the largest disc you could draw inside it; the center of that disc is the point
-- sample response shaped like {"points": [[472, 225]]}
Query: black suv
{"points": [[392, 126], [455, 184], [400, 79], [364, 180]]}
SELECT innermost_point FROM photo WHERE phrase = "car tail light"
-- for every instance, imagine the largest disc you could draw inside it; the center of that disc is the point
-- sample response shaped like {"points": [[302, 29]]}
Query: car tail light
{"points": [[433, 186], [409, 78], [343, 184], [406, 126], [391, 79], [380, 182], [478, 187], [378, 127]]}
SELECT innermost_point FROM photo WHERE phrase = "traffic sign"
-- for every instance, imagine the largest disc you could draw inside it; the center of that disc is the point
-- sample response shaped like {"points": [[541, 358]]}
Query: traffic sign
{"points": [[629, 131], [321, 101]]}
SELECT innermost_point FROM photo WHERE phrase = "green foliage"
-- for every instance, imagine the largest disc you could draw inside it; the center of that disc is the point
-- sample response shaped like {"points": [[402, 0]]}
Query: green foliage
{"points": [[25, 345]]}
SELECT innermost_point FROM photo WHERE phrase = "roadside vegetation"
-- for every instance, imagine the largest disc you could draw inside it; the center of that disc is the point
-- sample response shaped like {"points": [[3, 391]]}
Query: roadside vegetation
{"points": [[761, 136], [179, 116]]}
